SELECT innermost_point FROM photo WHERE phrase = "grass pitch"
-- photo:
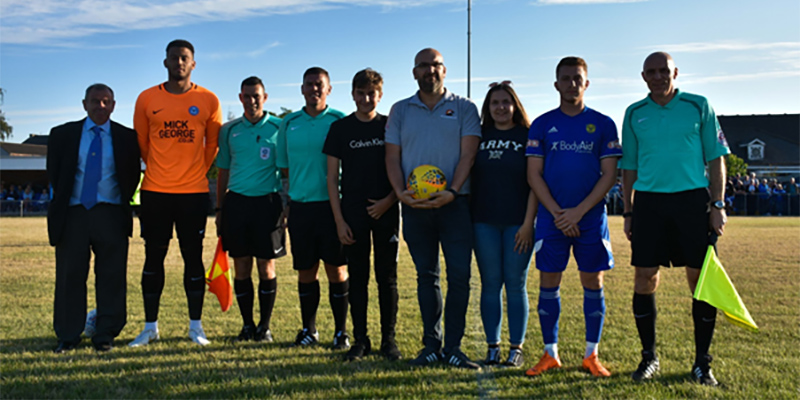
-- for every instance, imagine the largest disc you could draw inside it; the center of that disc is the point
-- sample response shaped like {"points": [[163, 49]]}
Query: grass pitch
{"points": [[761, 255]]}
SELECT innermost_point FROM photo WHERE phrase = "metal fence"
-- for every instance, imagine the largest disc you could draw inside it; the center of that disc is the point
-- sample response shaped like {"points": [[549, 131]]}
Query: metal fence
{"points": [[739, 204], [23, 208]]}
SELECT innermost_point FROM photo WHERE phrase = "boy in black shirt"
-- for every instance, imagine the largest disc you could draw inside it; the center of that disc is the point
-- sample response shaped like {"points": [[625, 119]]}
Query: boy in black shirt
{"points": [[368, 207]]}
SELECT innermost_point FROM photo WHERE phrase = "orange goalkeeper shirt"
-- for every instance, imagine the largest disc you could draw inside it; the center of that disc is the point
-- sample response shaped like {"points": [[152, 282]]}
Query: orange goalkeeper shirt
{"points": [[178, 136]]}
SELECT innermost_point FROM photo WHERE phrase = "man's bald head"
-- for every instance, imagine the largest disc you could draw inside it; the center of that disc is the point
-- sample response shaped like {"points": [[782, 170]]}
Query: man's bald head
{"points": [[429, 71], [426, 54], [659, 57], [659, 72]]}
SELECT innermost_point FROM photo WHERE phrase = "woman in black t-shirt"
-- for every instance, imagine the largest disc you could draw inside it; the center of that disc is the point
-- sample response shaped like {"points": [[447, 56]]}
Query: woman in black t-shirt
{"points": [[503, 210]]}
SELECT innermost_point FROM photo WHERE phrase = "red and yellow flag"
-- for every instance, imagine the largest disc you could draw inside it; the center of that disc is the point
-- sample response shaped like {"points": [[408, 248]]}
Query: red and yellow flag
{"points": [[218, 278]]}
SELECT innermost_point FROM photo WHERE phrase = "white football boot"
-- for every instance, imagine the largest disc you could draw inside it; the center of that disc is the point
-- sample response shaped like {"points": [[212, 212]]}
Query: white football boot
{"points": [[144, 338], [198, 336]]}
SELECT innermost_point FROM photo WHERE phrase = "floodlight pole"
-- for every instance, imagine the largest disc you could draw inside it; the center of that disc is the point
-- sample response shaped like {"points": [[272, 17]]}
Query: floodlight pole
{"points": [[469, 48]]}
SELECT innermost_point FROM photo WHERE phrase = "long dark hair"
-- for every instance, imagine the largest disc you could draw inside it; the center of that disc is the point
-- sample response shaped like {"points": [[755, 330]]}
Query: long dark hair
{"points": [[520, 117]]}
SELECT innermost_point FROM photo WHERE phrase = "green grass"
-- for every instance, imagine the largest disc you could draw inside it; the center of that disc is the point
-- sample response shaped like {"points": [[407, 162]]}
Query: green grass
{"points": [[761, 255]]}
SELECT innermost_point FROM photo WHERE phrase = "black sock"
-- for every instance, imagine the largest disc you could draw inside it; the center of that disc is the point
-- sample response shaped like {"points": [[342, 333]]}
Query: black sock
{"points": [[309, 302], [267, 291], [244, 296], [705, 318], [153, 280], [338, 296], [194, 282], [644, 311]]}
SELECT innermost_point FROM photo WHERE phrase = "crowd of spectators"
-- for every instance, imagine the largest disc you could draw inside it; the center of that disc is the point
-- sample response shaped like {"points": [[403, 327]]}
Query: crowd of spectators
{"points": [[29, 199], [744, 195], [749, 195]]}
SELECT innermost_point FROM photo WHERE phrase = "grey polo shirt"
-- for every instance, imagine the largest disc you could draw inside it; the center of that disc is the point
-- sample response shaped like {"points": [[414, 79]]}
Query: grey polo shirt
{"points": [[433, 137]]}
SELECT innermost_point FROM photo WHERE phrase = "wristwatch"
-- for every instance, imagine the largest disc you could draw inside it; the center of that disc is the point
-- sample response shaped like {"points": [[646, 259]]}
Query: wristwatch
{"points": [[719, 205]]}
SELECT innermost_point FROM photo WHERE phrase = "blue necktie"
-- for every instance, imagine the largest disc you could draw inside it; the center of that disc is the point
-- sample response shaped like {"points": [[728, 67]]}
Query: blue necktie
{"points": [[94, 167]]}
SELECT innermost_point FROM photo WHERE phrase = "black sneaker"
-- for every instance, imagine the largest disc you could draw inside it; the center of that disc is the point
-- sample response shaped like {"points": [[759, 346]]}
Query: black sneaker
{"points": [[458, 359], [701, 372], [515, 358], [390, 351], [263, 334], [492, 356], [306, 338], [360, 348], [647, 368], [248, 333], [426, 357], [341, 341]]}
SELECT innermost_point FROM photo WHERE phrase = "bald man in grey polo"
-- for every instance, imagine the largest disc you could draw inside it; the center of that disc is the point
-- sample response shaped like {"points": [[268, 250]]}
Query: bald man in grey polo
{"points": [[435, 136]]}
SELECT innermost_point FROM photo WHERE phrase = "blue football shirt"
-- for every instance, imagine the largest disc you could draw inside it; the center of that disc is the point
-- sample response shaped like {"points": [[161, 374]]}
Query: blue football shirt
{"points": [[572, 148]]}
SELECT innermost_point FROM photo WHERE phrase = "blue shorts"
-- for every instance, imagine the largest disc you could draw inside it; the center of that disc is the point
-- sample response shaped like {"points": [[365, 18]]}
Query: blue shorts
{"points": [[592, 249]]}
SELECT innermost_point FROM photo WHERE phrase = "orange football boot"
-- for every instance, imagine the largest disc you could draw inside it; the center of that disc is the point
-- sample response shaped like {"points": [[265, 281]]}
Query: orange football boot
{"points": [[592, 364], [545, 363]]}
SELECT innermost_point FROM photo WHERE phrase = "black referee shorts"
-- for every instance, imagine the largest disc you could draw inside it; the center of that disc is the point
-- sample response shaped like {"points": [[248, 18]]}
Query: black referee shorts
{"points": [[312, 231], [670, 228], [251, 226]]}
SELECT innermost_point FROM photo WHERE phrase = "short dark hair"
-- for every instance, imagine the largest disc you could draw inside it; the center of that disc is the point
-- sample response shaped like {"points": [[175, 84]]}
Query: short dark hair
{"points": [[571, 62], [253, 81], [316, 71], [180, 43], [98, 86], [367, 77]]}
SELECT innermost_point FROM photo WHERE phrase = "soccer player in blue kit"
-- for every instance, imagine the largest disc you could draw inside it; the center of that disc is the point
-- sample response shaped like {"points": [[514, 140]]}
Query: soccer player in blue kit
{"points": [[572, 163]]}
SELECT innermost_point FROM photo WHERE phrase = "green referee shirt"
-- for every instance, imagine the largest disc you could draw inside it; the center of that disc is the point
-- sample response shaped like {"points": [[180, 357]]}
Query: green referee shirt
{"points": [[300, 141], [669, 145], [248, 151]]}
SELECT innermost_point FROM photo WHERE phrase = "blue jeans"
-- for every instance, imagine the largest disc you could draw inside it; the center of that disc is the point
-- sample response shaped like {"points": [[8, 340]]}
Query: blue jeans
{"points": [[423, 231], [500, 265]]}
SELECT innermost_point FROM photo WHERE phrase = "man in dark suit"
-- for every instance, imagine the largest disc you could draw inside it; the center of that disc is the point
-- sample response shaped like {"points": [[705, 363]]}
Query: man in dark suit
{"points": [[93, 165]]}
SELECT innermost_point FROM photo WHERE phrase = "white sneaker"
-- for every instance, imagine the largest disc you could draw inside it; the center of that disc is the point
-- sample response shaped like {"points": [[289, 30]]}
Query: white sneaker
{"points": [[144, 338], [198, 336]]}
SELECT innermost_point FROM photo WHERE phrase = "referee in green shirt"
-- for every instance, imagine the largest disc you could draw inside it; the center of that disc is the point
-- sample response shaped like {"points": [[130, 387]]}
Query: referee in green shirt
{"points": [[250, 219], [673, 207]]}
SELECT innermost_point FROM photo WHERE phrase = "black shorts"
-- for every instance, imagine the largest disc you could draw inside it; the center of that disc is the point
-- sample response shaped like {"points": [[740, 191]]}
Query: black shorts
{"points": [[251, 226], [158, 212], [312, 231], [670, 228]]}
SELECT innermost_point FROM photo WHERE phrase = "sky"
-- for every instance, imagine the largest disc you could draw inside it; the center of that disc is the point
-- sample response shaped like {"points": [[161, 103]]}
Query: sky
{"points": [[744, 56]]}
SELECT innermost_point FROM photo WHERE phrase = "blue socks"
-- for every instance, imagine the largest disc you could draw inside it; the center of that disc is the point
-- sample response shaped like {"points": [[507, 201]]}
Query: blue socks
{"points": [[549, 312], [594, 313]]}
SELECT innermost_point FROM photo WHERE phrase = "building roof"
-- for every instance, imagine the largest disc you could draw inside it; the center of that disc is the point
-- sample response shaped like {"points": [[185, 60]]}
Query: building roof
{"points": [[22, 150], [36, 139], [780, 135]]}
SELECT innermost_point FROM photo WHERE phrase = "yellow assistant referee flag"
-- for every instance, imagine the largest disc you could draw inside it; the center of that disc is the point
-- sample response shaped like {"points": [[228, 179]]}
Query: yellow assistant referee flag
{"points": [[715, 288]]}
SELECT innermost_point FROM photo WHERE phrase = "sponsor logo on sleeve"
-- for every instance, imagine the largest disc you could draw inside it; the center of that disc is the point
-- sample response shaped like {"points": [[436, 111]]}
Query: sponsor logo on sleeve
{"points": [[721, 138], [533, 143]]}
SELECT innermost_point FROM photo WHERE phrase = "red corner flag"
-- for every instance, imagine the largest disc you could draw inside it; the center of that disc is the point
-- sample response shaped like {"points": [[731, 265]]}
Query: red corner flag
{"points": [[218, 278]]}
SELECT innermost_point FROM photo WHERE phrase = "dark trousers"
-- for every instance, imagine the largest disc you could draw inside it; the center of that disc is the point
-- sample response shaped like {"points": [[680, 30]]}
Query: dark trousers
{"points": [[384, 234], [424, 231], [101, 231]]}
